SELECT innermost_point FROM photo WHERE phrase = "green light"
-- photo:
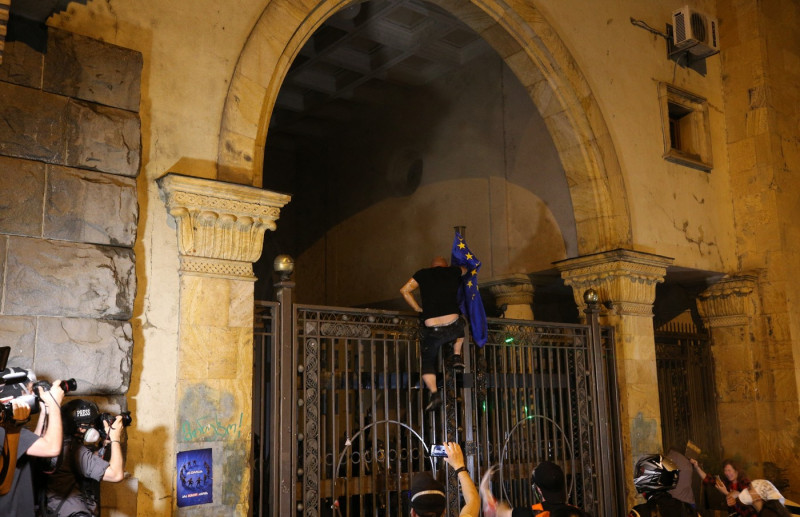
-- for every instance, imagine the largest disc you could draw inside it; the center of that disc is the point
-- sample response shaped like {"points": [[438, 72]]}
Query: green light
{"points": [[483, 406], [509, 340]]}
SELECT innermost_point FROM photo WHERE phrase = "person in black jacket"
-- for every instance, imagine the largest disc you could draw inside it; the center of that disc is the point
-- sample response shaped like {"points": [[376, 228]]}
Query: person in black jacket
{"points": [[654, 476], [549, 486]]}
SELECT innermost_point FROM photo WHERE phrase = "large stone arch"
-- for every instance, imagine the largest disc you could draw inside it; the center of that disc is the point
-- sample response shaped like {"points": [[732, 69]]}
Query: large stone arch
{"points": [[522, 37]]}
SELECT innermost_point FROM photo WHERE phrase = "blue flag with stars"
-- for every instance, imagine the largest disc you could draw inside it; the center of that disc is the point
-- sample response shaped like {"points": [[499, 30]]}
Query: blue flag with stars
{"points": [[469, 298]]}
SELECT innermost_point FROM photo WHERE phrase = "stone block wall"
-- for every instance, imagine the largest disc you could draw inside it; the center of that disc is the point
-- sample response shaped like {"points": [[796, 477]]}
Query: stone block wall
{"points": [[757, 365], [70, 146]]}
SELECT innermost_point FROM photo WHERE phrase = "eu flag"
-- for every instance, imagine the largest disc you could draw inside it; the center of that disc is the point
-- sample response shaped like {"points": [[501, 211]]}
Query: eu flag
{"points": [[469, 298]]}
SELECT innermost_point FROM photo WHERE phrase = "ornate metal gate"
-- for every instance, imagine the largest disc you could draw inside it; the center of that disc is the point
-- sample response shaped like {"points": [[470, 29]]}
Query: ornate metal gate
{"points": [[687, 388], [340, 426]]}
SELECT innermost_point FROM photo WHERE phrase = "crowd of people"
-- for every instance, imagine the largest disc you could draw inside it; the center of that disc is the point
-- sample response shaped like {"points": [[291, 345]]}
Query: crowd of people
{"points": [[665, 481], [54, 469], [656, 477]]}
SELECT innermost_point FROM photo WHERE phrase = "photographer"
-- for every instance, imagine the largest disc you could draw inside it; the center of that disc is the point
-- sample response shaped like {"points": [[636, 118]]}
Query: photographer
{"points": [[91, 453], [20, 445]]}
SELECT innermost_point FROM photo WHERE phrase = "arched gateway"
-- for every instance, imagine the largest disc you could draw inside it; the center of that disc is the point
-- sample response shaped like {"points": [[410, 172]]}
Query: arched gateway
{"points": [[525, 41], [532, 49]]}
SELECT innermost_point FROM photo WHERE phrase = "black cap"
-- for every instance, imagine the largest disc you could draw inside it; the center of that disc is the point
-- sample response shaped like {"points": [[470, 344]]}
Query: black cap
{"points": [[549, 479], [427, 495]]}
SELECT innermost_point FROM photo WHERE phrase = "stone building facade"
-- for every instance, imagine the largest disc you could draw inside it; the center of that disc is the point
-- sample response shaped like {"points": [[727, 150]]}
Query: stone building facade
{"points": [[131, 162]]}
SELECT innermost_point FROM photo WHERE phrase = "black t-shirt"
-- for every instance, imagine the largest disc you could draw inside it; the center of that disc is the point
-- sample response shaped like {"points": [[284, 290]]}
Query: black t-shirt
{"points": [[438, 288]]}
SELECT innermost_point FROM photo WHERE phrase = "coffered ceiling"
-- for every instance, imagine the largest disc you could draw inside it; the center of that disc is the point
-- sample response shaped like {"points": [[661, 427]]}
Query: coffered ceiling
{"points": [[363, 56]]}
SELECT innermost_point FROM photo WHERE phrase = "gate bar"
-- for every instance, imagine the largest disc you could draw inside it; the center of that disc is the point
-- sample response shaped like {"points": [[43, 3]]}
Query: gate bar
{"points": [[283, 441]]}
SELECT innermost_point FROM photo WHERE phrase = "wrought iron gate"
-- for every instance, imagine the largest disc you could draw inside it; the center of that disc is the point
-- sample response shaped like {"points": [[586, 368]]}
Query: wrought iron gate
{"points": [[340, 427], [687, 389]]}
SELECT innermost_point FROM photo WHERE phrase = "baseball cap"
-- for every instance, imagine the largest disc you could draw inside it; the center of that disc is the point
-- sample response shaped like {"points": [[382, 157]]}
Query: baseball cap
{"points": [[427, 495], [549, 478]]}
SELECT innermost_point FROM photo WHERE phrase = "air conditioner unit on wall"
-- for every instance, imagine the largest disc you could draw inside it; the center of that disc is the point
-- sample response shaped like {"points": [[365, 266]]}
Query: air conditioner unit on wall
{"points": [[694, 32]]}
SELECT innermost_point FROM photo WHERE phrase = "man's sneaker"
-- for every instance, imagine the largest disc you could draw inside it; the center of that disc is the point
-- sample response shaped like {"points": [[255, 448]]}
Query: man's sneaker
{"points": [[458, 362], [434, 403]]}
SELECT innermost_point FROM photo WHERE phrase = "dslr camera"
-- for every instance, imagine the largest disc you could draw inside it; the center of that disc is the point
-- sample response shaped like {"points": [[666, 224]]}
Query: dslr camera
{"points": [[13, 383], [108, 417]]}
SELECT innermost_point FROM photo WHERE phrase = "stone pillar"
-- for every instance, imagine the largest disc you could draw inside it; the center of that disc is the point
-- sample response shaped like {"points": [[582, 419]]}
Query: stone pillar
{"points": [[515, 291], [625, 281], [728, 309], [220, 234], [5, 9]]}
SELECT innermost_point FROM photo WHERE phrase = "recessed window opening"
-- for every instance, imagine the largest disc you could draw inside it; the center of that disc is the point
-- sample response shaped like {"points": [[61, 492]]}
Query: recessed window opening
{"points": [[679, 124], [687, 139]]}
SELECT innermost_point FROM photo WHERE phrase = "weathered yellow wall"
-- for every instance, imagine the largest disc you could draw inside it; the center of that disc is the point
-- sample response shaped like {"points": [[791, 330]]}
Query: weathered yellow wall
{"points": [[191, 48], [675, 211]]}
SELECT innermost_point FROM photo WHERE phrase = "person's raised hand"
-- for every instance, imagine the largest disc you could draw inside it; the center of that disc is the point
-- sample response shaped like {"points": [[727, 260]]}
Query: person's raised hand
{"points": [[54, 395], [489, 501], [455, 457], [114, 429]]}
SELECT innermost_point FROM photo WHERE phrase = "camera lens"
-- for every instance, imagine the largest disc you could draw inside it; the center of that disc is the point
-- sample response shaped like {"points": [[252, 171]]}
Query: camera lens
{"points": [[69, 385]]}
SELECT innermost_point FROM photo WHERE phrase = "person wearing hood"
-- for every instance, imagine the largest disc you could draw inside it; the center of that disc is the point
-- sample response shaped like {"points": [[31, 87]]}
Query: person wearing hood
{"points": [[765, 498]]}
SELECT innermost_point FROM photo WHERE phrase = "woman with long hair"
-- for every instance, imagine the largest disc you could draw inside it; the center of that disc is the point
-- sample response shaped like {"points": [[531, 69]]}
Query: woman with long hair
{"points": [[730, 484]]}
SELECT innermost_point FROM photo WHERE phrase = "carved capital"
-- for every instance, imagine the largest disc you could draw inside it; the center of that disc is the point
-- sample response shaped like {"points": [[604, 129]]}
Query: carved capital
{"points": [[515, 293], [625, 280], [729, 302], [220, 225], [514, 289]]}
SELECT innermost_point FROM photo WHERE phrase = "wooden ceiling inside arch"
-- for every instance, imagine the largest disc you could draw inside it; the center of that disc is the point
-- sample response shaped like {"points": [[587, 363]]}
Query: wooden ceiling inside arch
{"points": [[361, 56]]}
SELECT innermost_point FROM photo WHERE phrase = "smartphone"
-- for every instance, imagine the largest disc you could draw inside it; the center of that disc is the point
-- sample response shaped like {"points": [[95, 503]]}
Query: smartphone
{"points": [[437, 451]]}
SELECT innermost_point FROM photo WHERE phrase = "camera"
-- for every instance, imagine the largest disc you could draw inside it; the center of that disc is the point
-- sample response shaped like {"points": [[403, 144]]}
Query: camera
{"points": [[108, 417], [438, 451], [67, 385], [32, 400]]}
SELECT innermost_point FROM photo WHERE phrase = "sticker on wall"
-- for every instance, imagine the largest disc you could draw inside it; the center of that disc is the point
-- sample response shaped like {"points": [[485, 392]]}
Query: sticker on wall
{"points": [[195, 477]]}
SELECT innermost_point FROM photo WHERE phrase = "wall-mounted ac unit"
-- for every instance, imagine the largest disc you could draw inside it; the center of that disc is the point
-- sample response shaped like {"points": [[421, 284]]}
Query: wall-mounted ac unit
{"points": [[694, 32]]}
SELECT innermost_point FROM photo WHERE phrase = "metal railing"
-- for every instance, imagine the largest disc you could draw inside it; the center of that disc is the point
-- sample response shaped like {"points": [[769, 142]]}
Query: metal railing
{"points": [[347, 388]]}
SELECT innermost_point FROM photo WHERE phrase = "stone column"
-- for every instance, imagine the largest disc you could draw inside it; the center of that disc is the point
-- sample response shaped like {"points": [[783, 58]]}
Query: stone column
{"points": [[515, 291], [625, 281], [728, 309], [220, 234], [5, 9]]}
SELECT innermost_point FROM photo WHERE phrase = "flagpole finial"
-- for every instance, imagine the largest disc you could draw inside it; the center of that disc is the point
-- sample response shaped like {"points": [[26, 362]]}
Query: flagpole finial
{"points": [[460, 230]]}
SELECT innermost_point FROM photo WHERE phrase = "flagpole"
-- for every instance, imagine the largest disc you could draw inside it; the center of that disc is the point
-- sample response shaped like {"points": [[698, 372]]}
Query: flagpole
{"points": [[461, 230]]}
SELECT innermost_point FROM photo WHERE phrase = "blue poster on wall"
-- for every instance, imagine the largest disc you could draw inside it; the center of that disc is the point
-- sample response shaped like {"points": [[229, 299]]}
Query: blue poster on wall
{"points": [[195, 477]]}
